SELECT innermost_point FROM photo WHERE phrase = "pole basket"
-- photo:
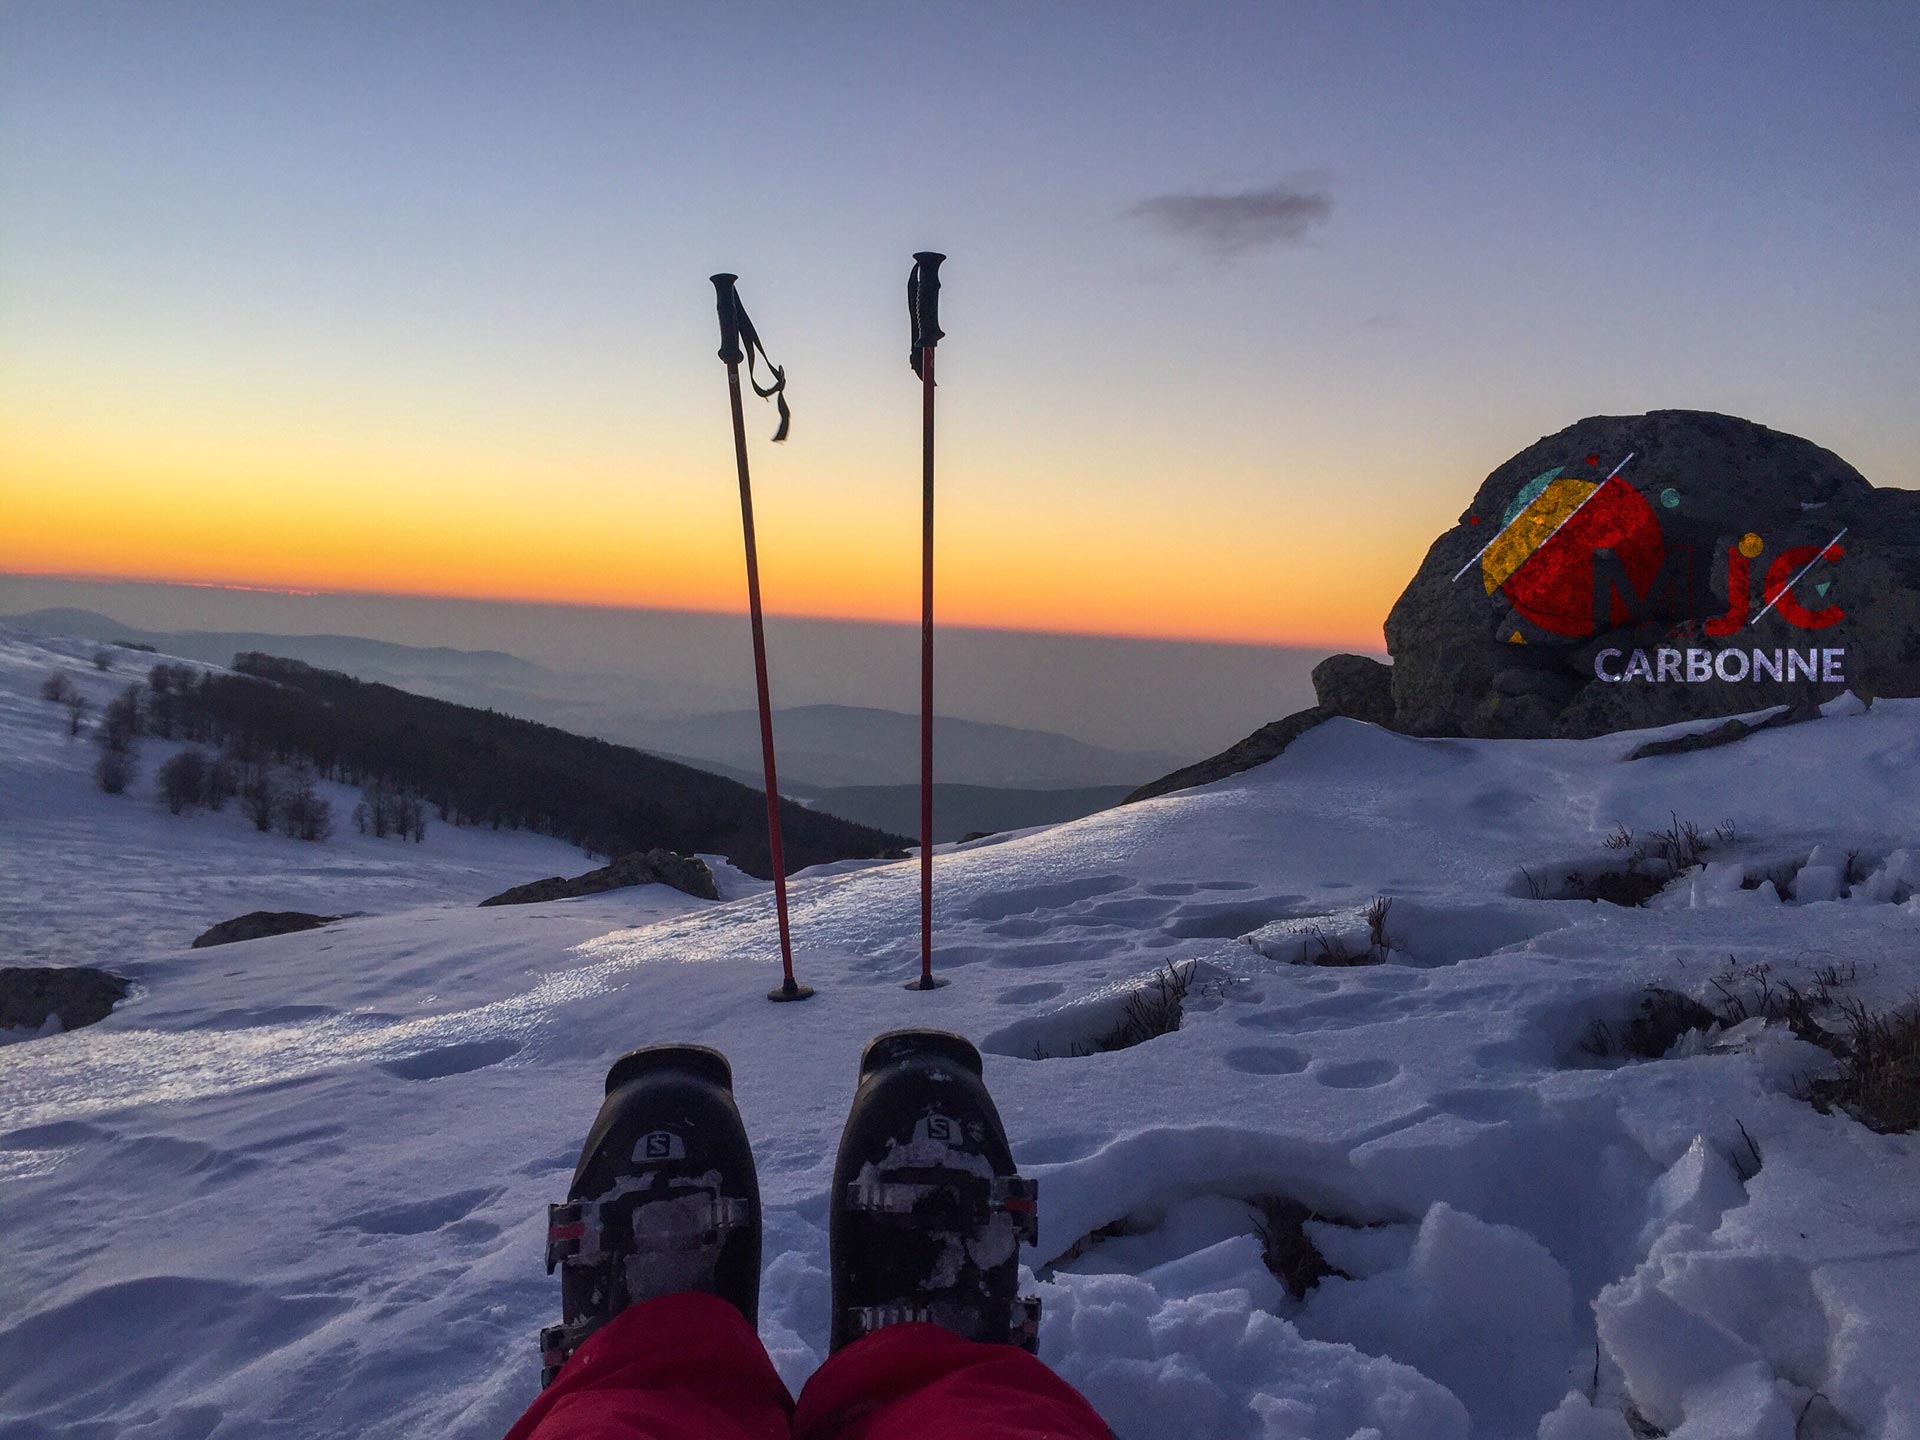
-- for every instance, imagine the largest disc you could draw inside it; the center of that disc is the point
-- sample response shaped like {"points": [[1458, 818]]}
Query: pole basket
{"points": [[790, 990], [927, 982]]}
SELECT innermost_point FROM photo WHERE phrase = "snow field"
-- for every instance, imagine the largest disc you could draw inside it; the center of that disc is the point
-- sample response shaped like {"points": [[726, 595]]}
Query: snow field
{"points": [[88, 878], [342, 1141]]}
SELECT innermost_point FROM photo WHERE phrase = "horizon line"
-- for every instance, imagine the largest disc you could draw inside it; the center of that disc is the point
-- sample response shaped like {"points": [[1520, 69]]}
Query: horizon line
{"points": [[299, 592]]}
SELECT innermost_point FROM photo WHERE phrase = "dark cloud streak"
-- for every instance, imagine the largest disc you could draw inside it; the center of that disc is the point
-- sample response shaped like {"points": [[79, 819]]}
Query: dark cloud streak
{"points": [[1231, 224]]}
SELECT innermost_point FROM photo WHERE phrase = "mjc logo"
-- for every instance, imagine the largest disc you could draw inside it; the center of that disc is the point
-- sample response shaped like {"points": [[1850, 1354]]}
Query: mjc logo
{"points": [[1575, 556]]}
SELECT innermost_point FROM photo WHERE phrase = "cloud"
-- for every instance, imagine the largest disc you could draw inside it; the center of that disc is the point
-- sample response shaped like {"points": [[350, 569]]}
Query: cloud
{"points": [[1230, 224]]}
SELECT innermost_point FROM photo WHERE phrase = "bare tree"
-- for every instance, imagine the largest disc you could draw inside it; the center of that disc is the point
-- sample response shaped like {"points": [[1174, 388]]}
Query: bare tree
{"points": [[260, 794], [383, 812], [183, 780], [304, 813], [77, 708], [120, 721], [223, 782], [103, 659], [56, 687]]}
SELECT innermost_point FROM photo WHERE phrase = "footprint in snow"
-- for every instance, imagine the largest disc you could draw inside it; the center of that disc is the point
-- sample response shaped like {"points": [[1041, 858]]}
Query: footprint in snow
{"points": [[451, 1059], [1355, 1074]]}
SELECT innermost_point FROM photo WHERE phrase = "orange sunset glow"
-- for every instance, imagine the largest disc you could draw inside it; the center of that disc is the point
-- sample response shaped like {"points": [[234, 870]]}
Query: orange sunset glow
{"points": [[272, 499]]}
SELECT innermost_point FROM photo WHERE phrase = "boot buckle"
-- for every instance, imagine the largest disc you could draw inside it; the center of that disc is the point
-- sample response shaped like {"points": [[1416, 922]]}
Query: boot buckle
{"points": [[1024, 1328], [1019, 1197]]}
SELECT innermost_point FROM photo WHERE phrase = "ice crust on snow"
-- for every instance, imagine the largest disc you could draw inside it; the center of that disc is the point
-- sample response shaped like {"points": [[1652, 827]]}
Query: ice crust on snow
{"points": [[340, 1143]]}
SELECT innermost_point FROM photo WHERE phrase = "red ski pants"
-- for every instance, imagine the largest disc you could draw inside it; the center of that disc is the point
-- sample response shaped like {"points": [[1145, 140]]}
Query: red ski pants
{"points": [[689, 1367]]}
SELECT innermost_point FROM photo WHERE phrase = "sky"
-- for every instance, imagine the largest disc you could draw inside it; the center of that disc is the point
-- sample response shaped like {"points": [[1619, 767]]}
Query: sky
{"points": [[1243, 300]]}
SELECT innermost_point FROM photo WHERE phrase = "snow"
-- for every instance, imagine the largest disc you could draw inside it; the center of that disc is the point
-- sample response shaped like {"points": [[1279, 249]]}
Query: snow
{"points": [[295, 1186]]}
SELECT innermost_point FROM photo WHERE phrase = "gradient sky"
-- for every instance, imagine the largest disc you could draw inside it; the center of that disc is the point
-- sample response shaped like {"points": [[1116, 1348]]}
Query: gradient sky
{"points": [[412, 298]]}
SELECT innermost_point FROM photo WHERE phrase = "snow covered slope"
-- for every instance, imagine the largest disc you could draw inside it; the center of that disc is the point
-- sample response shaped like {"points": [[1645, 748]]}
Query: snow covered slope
{"points": [[295, 1187], [90, 878]]}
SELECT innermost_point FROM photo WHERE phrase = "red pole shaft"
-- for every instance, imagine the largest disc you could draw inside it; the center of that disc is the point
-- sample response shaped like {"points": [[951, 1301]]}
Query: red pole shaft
{"points": [[760, 678], [926, 667]]}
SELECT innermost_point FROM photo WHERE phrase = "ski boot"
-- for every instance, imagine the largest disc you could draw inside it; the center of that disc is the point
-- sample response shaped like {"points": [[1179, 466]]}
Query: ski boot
{"points": [[664, 1200], [927, 1212]]}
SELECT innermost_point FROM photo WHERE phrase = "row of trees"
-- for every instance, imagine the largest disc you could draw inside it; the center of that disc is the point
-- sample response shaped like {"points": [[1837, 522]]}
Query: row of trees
{"points": [[268, 795], [408, 753], [273, 790]]}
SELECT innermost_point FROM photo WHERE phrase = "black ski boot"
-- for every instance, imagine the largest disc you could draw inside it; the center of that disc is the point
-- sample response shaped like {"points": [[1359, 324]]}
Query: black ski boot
{"points": [[665, 1198], [928, 1213]]}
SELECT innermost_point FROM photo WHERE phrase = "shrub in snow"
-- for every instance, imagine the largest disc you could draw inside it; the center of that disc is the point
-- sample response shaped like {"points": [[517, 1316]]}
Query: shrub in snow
{"points": [[1662, 1017], [1879, 1079], [1156, 1008], [113, 771], [55, 688], [77, 707]]}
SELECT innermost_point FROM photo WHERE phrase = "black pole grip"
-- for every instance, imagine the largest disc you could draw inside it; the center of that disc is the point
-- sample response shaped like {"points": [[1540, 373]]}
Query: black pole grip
{"points": [[923, 303], [728, 301]]}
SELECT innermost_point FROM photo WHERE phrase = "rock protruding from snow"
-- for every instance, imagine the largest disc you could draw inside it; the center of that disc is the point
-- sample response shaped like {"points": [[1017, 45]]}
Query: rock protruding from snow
{"points": [[1356, 686], [75, 995], [258, 924], [1725, 733], [688, 874], [1258, 748]]}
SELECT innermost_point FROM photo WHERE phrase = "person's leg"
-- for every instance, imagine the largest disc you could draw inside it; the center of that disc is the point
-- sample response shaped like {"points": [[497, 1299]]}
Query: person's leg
{"points": [[681, 1367], [658, 1246], [912, 1381]]}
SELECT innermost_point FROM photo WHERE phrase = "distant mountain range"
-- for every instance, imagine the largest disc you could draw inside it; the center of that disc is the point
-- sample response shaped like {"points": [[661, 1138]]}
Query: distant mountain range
{"points": [[821, 747], [378, 660], [835, 746]]}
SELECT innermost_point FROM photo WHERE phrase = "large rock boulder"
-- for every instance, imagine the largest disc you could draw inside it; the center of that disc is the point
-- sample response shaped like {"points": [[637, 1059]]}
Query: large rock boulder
{"points": [[76, 994], [1472, 655], [655, 867], [1356, 686], [257, 924]]}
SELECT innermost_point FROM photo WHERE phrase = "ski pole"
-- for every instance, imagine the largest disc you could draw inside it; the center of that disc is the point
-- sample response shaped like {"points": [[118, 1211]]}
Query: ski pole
{"points": [[923, 306], [736, 328]]}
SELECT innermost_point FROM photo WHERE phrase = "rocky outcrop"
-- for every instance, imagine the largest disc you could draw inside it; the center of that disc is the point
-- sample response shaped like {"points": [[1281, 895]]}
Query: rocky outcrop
{"points": [[1258, 748], [1706, 481], [655, 867], [1707, 525], [1356, 686], [258, 924], [77, 994]]}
